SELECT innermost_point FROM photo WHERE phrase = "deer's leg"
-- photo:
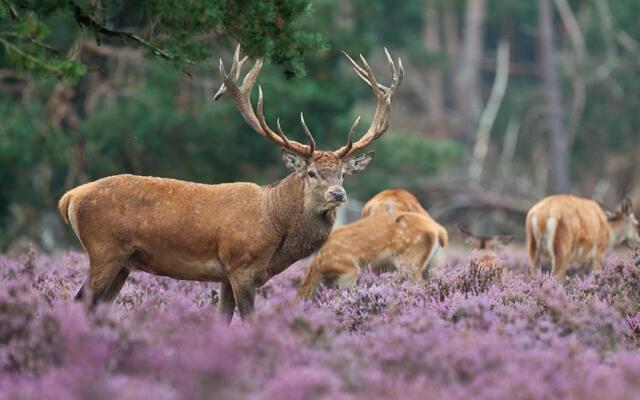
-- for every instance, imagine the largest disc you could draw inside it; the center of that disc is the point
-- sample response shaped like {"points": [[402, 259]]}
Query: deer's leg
{"points": [[227, 302], [116, 285], [560, 250], [244, 294], [348, 276], [560, 258], [83, 291], [534, 250], [597, 261], [310, 282], [103, 271]]}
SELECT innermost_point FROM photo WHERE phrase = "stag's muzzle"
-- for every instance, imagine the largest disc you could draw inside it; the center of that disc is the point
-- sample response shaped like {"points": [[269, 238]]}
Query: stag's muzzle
{"points": [[336, 194]]}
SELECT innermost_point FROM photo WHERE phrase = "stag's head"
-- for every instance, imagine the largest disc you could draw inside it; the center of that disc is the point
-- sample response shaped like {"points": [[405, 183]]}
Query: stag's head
{"points": [[624, 225], [321, 171]]}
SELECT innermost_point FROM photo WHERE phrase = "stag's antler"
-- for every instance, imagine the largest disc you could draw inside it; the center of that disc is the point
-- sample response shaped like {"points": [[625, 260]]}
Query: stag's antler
{"points": [[241, 97], [383, 94]]}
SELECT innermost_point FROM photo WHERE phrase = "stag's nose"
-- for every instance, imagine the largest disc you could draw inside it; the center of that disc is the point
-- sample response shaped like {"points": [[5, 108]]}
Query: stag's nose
{"points": [[337, 193]]}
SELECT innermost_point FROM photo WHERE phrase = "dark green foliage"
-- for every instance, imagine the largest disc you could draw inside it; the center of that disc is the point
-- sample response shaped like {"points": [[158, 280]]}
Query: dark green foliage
{"points": [[179, 32]]}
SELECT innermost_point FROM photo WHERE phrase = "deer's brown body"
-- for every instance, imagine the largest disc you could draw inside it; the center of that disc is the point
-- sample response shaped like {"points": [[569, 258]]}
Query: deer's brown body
{"points": [[239, 234], [569, 229], [392, 200], [404, 241]]}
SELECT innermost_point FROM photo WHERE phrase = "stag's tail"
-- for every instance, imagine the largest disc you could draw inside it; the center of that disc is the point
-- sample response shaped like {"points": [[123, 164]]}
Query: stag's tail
{"points": [[63, 205]]}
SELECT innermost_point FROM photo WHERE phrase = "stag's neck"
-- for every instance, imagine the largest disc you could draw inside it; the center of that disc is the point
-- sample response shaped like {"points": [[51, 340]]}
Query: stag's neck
{"points": [[284, 201], [302, 228]]}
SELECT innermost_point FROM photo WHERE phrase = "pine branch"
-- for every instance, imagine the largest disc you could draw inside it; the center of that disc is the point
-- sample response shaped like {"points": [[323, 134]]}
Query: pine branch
{"points": [[88, 21]]}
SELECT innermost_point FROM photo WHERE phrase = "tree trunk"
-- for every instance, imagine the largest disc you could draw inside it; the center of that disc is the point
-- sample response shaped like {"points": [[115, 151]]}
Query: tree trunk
{"points": [[435, 94], [467, 81], [557, 136], [488, 117]]}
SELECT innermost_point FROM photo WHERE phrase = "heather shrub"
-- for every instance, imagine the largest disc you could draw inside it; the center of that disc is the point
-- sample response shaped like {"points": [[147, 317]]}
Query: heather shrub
{"points": [[467, 333]]}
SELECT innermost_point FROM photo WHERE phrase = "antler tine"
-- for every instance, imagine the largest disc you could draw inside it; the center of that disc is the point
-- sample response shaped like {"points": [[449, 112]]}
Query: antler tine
{"points": [[384, 96], [241, 96], [282, 135], [362, 73], [249, 80], [347, 148], [271, 135], [371, 76], [279, 138], [307, 132]]}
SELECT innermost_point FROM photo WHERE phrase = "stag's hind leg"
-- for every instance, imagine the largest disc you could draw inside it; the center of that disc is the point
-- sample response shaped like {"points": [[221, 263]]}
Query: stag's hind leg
{"points": [[107, 275], [116, 285], [227, 301]]}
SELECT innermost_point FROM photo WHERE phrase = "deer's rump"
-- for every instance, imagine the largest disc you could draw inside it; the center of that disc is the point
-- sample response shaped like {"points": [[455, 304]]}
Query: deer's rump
{"points": [[165, 226], [562, 220]]}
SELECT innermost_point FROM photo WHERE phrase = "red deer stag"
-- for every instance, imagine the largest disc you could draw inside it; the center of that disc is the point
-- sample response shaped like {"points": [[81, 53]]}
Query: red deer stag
{"points": [[570, 229], [238, 234], [403, 241]]}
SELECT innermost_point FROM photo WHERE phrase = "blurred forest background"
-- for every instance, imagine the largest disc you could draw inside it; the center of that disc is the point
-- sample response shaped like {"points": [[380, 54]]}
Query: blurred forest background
{"points": [[503, 101]]}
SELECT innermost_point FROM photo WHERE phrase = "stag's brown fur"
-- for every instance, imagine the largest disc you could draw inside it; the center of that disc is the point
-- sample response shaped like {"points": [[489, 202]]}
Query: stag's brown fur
{"points": [[403, 241], [568, 229]]}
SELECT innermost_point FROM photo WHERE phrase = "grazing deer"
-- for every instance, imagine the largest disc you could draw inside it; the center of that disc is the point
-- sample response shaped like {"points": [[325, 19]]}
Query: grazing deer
{"points": [[392, 200], [239, 234], [570, 229], [487, 248], [400, 200], [405, 241]]}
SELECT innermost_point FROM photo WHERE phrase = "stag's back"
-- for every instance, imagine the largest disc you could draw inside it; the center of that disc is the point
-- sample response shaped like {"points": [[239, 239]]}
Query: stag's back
{"points": [[160, 215]]}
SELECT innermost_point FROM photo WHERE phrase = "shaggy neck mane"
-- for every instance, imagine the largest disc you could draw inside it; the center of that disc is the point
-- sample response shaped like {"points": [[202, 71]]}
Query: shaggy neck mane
{"points": [[303, 230]]}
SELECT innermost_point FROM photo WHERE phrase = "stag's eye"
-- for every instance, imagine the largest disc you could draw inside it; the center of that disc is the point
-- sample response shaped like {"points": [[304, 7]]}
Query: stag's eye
{"points": [[311, 174]]}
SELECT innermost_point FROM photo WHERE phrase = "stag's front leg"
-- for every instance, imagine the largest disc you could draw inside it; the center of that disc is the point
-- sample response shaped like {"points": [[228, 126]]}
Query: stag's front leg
{"points": [[227, 301]]}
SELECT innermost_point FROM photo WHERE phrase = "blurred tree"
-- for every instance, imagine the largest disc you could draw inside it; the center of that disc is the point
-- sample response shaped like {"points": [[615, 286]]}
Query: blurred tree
{"points": [[560, 160], [176, 31]]}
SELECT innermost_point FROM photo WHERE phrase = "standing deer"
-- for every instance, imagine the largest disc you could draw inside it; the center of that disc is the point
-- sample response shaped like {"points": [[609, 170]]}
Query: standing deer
{"points": [[238, 234], [487, 248], [569, 229], [404, 241]]}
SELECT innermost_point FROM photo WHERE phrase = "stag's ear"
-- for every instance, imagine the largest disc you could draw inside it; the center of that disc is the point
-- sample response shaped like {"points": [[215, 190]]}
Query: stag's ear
{"points": [[357, 163], [293, 161], [626, 206]]}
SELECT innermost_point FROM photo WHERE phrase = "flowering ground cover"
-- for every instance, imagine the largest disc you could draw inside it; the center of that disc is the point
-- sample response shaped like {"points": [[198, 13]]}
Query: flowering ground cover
{"points": [[466, 334]]}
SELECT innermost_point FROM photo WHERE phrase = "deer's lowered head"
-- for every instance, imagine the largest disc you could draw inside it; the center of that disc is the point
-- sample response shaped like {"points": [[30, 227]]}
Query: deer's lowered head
{"points": [[486, 243], [623, 225]]}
